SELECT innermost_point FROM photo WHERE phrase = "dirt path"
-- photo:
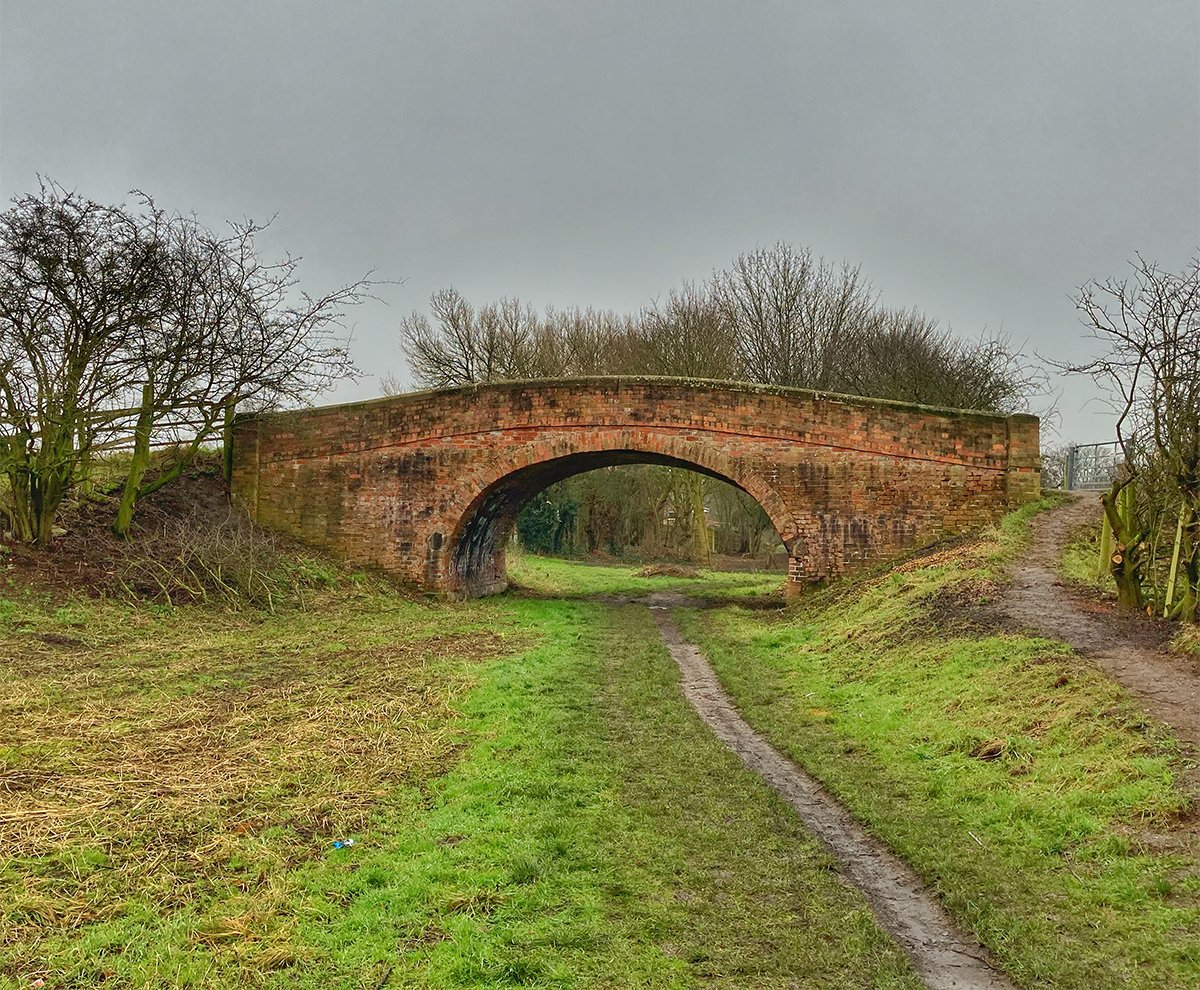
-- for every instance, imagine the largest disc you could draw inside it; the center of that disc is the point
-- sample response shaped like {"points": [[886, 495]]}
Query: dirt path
{"points": [[942, 955], [1128, 648]]}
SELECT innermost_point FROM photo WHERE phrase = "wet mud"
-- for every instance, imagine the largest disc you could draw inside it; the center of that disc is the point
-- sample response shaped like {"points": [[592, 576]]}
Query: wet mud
{"points": [[1129, 648], [944, 957]]}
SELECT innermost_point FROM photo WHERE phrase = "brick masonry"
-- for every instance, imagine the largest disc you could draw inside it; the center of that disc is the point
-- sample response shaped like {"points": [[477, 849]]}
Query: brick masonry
{"points": [[427, 485]]}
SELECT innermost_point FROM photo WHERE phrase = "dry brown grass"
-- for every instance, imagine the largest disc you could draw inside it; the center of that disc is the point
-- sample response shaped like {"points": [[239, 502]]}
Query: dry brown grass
{"points": [[156, 758], [960, 552], [1186, 641], [668, 570]]}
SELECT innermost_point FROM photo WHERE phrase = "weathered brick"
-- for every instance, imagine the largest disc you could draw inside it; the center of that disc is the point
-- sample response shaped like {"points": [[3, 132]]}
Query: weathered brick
{"points": [[428, 485]]}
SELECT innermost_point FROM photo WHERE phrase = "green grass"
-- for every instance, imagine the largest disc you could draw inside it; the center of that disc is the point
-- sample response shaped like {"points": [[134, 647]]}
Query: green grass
{"points": [[532, 804], [1080, 560], [1027, 788], [555, 577]]}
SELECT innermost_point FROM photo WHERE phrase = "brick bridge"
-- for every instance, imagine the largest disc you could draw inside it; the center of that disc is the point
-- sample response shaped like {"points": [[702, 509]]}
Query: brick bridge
{"points": [[427, 486]]}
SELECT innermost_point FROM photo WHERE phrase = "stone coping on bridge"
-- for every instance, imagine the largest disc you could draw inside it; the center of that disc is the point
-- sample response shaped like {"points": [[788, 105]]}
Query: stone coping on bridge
{"points": [[617, 381]]}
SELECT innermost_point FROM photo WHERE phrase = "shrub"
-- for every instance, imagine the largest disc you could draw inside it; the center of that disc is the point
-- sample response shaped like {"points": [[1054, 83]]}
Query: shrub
{"points": [[231, 562]]}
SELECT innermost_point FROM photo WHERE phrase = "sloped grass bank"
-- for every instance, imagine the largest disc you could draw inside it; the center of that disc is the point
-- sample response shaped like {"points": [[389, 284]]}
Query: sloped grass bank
{"points": [[1081, 559], [531, 802], [1025, 786]]}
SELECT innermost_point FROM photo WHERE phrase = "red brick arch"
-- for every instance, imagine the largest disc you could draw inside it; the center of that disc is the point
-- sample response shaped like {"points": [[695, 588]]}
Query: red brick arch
{"points": [[400, 482], [506, 472]]}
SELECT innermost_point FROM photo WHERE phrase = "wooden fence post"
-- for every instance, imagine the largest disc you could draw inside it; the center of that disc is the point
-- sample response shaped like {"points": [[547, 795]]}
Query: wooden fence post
{"points": [[1174, 562]]}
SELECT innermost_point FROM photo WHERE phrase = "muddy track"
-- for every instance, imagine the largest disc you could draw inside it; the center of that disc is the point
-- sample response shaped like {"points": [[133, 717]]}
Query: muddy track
{"points": [[942, 955], [1129, 651]]}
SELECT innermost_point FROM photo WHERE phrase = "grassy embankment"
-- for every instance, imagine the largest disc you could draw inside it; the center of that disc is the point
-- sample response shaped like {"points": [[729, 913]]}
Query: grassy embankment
{"points": [[1027, 788], [532, 803], [1081, 558]]}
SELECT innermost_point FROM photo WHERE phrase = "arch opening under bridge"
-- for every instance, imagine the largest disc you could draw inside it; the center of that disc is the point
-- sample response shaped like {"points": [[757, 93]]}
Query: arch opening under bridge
{"points": [[478, 541]]}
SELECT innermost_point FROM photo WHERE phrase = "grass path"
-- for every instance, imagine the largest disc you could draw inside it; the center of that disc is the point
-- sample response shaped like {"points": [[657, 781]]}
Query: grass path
{"points": [[595, 836], [943, 955], [532, 804], [1025, 786], [1051, 814]]}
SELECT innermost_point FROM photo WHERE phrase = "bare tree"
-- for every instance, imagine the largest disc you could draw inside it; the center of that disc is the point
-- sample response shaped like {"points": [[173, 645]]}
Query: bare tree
{"points": [[509, 341], [777, 316], [591, 342], [794, 316], [686, 335], [906, 355], [77, 279], [232, 330], [1150, 325], [465, 346], [133, 327]]}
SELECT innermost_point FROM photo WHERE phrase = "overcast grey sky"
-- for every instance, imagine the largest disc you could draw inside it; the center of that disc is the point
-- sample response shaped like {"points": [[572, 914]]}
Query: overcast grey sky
{"points": [[979, 158]]}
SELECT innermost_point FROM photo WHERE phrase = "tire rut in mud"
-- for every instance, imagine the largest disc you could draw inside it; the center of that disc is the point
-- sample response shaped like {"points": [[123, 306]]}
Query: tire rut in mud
{"points": [[944, 957]]}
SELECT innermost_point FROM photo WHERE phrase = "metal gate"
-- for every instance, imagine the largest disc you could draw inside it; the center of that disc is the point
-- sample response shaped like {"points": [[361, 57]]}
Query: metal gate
{"points": [[1093, 466]]}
